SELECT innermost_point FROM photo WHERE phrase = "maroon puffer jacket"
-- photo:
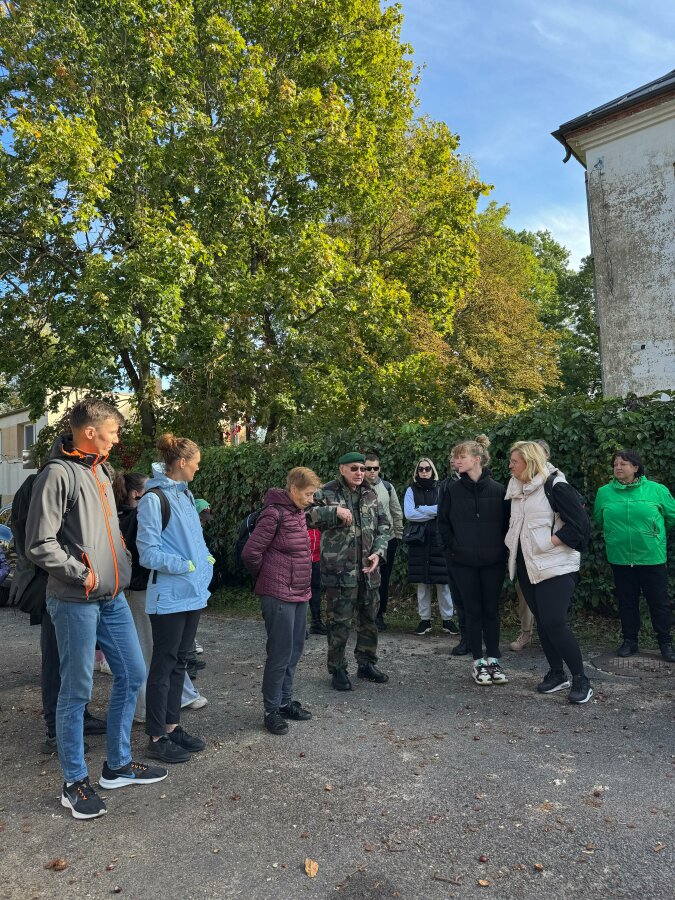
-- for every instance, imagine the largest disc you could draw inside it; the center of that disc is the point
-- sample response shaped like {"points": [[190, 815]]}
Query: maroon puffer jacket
{"points": [[278, 552]]}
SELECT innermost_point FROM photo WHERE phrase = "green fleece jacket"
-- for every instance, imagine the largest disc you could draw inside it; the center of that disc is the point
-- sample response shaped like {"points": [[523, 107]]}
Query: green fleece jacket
{"points": [[634, 519]]}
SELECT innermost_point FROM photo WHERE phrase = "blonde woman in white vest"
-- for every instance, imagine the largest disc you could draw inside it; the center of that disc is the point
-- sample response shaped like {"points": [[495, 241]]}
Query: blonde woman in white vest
{"points": [[544, 555]]}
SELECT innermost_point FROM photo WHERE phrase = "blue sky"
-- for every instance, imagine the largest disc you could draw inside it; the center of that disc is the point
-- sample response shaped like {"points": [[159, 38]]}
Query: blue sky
{"points": [[503, 74]]}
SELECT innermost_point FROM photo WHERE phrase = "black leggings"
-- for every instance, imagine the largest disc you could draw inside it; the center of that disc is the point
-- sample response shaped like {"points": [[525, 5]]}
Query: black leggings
{"points": [[550, 601], [480, 588]]}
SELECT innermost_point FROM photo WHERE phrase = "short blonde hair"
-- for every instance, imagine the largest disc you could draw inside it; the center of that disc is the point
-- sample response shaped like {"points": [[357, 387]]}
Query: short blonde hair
{"points": [[478, 448], [533, 456], [301, 477]]}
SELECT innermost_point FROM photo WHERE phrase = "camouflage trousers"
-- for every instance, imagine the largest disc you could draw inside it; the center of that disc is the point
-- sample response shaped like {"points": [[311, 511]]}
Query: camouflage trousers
{"points": [[341, 604]]}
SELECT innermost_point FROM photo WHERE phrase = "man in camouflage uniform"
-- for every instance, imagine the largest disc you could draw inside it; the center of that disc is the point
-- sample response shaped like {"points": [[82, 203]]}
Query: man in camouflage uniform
{"points": [[355, 533]]}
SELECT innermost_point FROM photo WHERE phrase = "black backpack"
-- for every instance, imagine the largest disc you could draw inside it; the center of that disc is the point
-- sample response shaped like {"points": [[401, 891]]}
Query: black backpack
{"points": [[29, 583], [245, 531], [164, 505], [548, 490]]}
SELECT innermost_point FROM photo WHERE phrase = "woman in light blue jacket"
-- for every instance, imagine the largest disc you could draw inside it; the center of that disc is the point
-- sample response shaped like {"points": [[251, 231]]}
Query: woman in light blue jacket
{"points": [[171, 545]]}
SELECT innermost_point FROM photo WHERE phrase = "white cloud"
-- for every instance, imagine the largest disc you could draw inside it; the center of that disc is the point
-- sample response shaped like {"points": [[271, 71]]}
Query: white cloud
{"points": [[567, 224]]}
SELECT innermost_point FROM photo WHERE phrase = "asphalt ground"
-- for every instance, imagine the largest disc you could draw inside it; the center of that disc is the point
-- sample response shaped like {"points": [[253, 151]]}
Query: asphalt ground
{"points": [[427, 787]]}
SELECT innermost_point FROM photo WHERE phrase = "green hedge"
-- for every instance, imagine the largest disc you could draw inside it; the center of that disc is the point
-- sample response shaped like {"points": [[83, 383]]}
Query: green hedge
{"points": [[582, 433]]}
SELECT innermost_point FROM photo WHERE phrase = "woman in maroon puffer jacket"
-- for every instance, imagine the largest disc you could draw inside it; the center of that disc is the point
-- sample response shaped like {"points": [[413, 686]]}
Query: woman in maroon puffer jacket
{"points": [[278, 554]]}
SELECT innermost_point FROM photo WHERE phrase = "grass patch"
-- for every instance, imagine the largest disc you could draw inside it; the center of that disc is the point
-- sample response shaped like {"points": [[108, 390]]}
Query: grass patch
{"points": [[591, 629]]}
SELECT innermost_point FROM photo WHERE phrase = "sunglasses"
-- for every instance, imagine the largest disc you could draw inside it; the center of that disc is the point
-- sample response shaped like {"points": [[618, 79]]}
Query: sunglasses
{"points": [[357, 468], [372, 468], [424, 469]]}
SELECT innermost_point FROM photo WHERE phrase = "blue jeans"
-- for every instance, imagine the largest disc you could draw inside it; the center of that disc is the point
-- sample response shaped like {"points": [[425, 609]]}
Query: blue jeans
{"points": [[78, 627]]}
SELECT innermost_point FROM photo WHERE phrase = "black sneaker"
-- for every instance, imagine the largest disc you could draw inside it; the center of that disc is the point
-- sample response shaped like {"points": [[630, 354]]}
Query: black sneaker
{"points": [[295, 710], [132, 773], [198, 663], [668, 653], [92, 725], [381, 624], [186, 741], [424, 627], [192, 671], [166, 751], [275, 723], [318, 628], [628, 648], [82, 800], [581, 690], [49, 745], [450, 627], [552, 682]]}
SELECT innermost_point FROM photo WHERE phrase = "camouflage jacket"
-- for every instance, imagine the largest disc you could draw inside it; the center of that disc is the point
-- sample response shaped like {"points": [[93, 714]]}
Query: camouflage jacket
{"points": [[340, 553]]}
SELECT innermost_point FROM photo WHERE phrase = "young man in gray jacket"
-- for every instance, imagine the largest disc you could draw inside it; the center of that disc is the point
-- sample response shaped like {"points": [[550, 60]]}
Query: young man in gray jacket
{"points": [[386, 493], [73, 534]]}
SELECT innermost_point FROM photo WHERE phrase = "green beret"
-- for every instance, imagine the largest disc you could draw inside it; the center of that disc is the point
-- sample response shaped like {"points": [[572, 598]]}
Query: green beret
{"points": [[351, 457]]}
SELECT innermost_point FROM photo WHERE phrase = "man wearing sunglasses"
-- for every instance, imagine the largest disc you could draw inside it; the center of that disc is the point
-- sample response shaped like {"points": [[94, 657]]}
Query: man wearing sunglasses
{"points": [[386, 494], [355, 533]]}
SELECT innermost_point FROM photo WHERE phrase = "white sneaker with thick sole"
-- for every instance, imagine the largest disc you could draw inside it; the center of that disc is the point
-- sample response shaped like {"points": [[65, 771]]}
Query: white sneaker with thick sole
{"points": [[480, 672], [198, 703], [497, 674]]}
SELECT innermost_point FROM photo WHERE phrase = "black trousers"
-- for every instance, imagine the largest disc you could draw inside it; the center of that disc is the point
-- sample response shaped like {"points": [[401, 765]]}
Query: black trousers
{"points": [[172, 639], [550, 602], [652, 581], [385, 575], [315, 599], [480, 588]]}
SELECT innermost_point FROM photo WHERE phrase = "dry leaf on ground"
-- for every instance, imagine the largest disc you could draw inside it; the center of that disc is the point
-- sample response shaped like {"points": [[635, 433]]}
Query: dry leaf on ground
{"points": [[58, 865], [311, 867]]}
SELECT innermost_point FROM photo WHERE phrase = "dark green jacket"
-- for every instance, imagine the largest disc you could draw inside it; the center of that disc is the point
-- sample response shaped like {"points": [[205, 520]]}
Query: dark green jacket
{"points": [[340, 553], [634, 519]]}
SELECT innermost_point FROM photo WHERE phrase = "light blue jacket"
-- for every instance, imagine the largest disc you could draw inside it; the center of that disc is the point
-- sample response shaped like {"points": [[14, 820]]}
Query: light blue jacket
{"points": [[172, 587]]}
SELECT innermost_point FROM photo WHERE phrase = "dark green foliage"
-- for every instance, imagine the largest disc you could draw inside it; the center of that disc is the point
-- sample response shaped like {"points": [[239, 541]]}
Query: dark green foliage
{"points": [[582, 433]]}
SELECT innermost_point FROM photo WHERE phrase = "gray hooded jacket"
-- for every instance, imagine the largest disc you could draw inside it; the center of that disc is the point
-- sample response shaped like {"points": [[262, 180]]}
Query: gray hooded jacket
{"points": [[88, 539]]}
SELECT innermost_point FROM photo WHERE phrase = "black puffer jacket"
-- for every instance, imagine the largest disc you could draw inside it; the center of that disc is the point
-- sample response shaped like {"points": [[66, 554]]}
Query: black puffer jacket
{"points": [[473, 518], [426, 561]]}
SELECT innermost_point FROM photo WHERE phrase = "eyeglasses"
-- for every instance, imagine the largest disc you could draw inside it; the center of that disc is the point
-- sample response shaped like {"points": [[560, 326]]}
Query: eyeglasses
{"points": [[424, 469], [372, 468], [357, 468]]}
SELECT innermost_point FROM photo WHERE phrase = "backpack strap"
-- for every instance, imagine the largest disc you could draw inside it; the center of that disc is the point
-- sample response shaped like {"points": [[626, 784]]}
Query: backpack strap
{"points": [[548, 489], [389, 486], [74, 481], [164, 505]]}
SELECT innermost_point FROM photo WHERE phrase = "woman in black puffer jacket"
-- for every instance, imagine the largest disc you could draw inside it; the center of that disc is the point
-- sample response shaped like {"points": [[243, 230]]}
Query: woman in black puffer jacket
{"points": [[473, 518], [426, 559]]}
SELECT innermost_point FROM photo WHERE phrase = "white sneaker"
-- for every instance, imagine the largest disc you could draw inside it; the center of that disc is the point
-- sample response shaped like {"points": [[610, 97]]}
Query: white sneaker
{"points": [[199, 648], [197, 703], [480, 672], [496, 672], [104, 667]]}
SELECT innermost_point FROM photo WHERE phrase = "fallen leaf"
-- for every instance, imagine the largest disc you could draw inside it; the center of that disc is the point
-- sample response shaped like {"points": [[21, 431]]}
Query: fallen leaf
{"points": [[110, 867], [482, 858], [26, 827], [235, 797], [301, 755], [329, 787], [311, 867], [538, 867], [58, 865], [591, 846], [597, 792], [476, 737], [483, 882], [117, 889], [304, 834], [659, 847], [215, 850]]}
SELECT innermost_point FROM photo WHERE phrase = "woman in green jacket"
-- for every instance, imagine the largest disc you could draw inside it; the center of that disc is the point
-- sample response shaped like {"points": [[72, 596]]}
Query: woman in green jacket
{"points": [[635, 514]]}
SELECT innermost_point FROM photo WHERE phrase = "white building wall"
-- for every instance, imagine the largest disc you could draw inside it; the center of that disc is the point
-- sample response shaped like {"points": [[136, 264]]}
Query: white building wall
{"points": [[630, 180]]}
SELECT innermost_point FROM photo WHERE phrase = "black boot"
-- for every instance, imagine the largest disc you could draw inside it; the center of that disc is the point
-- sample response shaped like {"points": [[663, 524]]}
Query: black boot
{"points": [[318, 627], [340, 680], [462, 648], [628, 648], [668, 653], [372, 673]]}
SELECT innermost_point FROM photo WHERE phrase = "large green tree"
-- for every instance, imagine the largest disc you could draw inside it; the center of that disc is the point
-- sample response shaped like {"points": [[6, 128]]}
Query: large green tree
{"points": [[232, 196]]}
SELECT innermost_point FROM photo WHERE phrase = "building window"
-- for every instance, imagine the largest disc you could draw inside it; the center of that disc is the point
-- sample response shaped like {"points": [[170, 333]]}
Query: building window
{"points": [[28, 436]]}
